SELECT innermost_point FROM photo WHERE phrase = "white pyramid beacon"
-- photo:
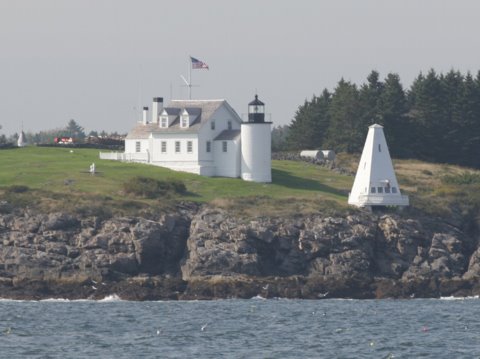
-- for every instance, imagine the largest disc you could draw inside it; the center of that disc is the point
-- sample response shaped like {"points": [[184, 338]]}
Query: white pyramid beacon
{"points": [[375, 182]]}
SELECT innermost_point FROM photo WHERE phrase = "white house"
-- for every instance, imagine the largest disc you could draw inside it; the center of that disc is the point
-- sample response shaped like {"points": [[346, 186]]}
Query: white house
{"points": [[375, 182], [206, 137]]}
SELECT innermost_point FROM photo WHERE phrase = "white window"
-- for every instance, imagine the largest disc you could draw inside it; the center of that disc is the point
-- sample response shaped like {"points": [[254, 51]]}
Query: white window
{"points": [[164, 121], [380, 189], [394, 189], [163, 147], [229, 124], [138, 146], [184, 121], [209, 146], [212, 125], [373, 190], [177, 146], [189, 146], [224, 146]]}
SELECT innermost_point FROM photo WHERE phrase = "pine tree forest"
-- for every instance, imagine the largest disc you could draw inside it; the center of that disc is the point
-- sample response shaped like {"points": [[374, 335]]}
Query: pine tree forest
{"points": [[436, 120]]}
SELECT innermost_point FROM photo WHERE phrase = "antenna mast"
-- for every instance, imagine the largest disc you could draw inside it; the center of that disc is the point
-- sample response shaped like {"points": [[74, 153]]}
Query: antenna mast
{"points": [[196, 64], [189, 82]]}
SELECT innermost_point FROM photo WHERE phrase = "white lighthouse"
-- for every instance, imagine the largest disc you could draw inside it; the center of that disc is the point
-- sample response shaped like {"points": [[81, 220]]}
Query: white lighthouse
{"points": [[21, 139], [375, 182], [256, 163]]}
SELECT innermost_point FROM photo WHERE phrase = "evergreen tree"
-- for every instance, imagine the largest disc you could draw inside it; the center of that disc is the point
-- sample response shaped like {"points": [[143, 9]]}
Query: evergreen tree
{"points": [[437, 119], [279, 138], [453, 109], [346, 132], [428, 117], [369, 99], [74, 130], [468, 134], [307, 130], [392, 112]]}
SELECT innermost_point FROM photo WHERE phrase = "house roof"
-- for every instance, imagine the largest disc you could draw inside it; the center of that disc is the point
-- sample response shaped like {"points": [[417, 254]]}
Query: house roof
{"points": [[227, 135], [204, 109], [193, 111], [171, 111]]}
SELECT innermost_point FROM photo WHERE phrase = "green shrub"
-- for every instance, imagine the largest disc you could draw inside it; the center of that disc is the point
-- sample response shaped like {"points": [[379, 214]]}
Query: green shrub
{"points": [[153, 188], [16, 189]]}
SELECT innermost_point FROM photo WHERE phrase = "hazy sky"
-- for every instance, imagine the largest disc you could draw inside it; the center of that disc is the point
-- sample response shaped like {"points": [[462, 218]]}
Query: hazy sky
{"points": [[99, 61]]}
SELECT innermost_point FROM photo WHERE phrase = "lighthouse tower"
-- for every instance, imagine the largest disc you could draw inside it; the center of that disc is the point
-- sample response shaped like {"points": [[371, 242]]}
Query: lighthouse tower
{"points": [[21, 139], [375, 182], [256, 140]]}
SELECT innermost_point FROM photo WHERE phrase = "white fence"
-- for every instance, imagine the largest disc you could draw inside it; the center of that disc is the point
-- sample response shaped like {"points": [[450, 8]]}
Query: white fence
{"points": [[127, 157]]}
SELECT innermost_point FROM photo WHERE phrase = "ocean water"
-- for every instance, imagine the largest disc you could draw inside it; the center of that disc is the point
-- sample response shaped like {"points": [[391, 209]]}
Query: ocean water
{"points": [[255, 328]]}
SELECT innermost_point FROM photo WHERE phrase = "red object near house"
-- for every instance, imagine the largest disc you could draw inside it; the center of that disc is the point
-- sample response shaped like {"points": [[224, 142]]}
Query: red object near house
{"points": [[63, 140]]}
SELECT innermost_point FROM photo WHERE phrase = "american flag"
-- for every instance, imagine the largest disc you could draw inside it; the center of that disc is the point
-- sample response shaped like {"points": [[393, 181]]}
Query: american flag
{"points": [[197, 64]]}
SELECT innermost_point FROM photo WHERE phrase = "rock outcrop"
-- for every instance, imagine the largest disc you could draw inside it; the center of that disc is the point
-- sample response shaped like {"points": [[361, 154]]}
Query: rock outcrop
{"points": [[207, 252]]}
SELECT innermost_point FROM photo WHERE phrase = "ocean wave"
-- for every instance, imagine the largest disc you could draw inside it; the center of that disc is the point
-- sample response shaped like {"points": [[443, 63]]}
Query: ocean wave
{"points": [[14, 300], [111, 298], [459, 298]]}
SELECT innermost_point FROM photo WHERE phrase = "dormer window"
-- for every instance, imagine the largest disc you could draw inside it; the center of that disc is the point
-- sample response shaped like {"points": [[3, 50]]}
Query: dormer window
{"points": [[184, 121], [164, 121]]}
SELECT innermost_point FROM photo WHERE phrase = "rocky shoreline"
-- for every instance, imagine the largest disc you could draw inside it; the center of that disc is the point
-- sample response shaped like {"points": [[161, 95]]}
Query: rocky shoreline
{"points": [[201, 252]]}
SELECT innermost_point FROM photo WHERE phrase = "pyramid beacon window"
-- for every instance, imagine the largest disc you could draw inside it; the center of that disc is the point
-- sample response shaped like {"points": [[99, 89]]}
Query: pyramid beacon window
{"points": [[379, 148]]}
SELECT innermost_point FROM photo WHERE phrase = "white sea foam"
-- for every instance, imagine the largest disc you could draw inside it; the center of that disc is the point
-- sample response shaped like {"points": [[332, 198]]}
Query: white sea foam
{"points": [[47, 300], [55, 300], [459, 298], [111, 298]]}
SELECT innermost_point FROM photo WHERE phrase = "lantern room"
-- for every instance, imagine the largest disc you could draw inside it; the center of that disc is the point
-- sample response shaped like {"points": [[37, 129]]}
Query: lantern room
{"points": [[256, 111]]}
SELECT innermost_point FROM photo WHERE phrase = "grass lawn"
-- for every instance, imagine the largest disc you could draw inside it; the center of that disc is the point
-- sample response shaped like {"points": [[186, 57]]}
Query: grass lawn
{"points": [[61, 174], [58, 178]]}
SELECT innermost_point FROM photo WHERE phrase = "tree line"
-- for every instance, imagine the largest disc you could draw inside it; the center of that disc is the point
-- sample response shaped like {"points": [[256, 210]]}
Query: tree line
{"points": [[72, 129], [437, 119]]}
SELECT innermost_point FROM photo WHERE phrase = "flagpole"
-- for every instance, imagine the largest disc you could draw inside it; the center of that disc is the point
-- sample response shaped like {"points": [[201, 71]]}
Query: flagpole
{"points": [[190, 78]]}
